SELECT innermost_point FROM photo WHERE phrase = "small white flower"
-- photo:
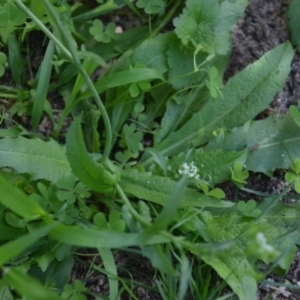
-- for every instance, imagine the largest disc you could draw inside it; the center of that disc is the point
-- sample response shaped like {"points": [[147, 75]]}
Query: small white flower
{"points": [[263, 243], [190, 170]]}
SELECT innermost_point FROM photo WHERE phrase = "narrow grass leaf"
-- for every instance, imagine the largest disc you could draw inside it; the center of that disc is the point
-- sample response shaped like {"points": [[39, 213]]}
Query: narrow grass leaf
{"points": [[43, 85], [158, 189], [14, 57], [28, 286], [110, 267], [38, 158], [169, 210], [90, 67], [95, 238], [15, 200], [14, 248], [123, 78]]}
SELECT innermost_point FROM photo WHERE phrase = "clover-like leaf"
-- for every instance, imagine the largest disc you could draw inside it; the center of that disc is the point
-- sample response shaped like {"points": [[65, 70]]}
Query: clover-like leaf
{"points": [[151, 7], [295, 113], [132, 139], [217, 193], [215, 83], [101, 35], [294, 176], [248, 208], [114, 221], [296, 166], [238, 175]]}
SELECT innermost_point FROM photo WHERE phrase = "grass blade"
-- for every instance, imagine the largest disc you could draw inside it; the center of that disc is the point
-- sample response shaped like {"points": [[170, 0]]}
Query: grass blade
{"points": [[28, 286], [12, 198], [43, 85], [95, 238], [110, 267], [13, 249]]}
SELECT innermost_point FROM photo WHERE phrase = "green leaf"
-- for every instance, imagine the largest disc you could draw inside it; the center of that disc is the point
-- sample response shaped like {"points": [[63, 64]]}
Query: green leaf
{"points": [[123, 78], [296, 166], [151, 7], [248, 208], [92, 174], [167, 215], [158, 189], [42, 85], [152, 53], [14, 199], [181, 65], [294, 111], [293, 22], [238, 175], [213, 166], [14, 248], [40, 159], [3, 59], [231, 264], [28, 286], [273, 143], [244, 96], [95, 238], [206, 24]]}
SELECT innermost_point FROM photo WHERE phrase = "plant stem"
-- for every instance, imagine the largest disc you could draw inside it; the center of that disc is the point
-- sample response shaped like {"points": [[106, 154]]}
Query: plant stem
{"points": [[44, 28], [134, 213]]}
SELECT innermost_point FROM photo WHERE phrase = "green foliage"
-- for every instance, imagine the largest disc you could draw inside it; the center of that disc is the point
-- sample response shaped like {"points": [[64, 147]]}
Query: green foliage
{"points": [[238, 175], [206, 25], [248, 209], [294, 175], [294, 111], [101, 35], [10, 17], [293, 24], [157, 106], [153, 7], [51, 165], [2, 63]]}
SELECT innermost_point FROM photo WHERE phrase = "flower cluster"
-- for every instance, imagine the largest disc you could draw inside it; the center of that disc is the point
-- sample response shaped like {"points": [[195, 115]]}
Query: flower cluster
{"points": [[190, 170], [262, 241]]}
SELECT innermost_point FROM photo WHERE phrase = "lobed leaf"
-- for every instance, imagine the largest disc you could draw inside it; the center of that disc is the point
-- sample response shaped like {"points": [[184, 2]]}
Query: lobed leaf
{"points": [[206, 24]]}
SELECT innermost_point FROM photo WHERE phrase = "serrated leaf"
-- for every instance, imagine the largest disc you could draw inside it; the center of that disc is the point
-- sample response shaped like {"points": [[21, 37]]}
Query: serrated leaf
{"points": [[206, 24], [91, 173], [293, 14], [244, 96], [213, 166], [40, 159], [231, 265], [157, 189]]}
